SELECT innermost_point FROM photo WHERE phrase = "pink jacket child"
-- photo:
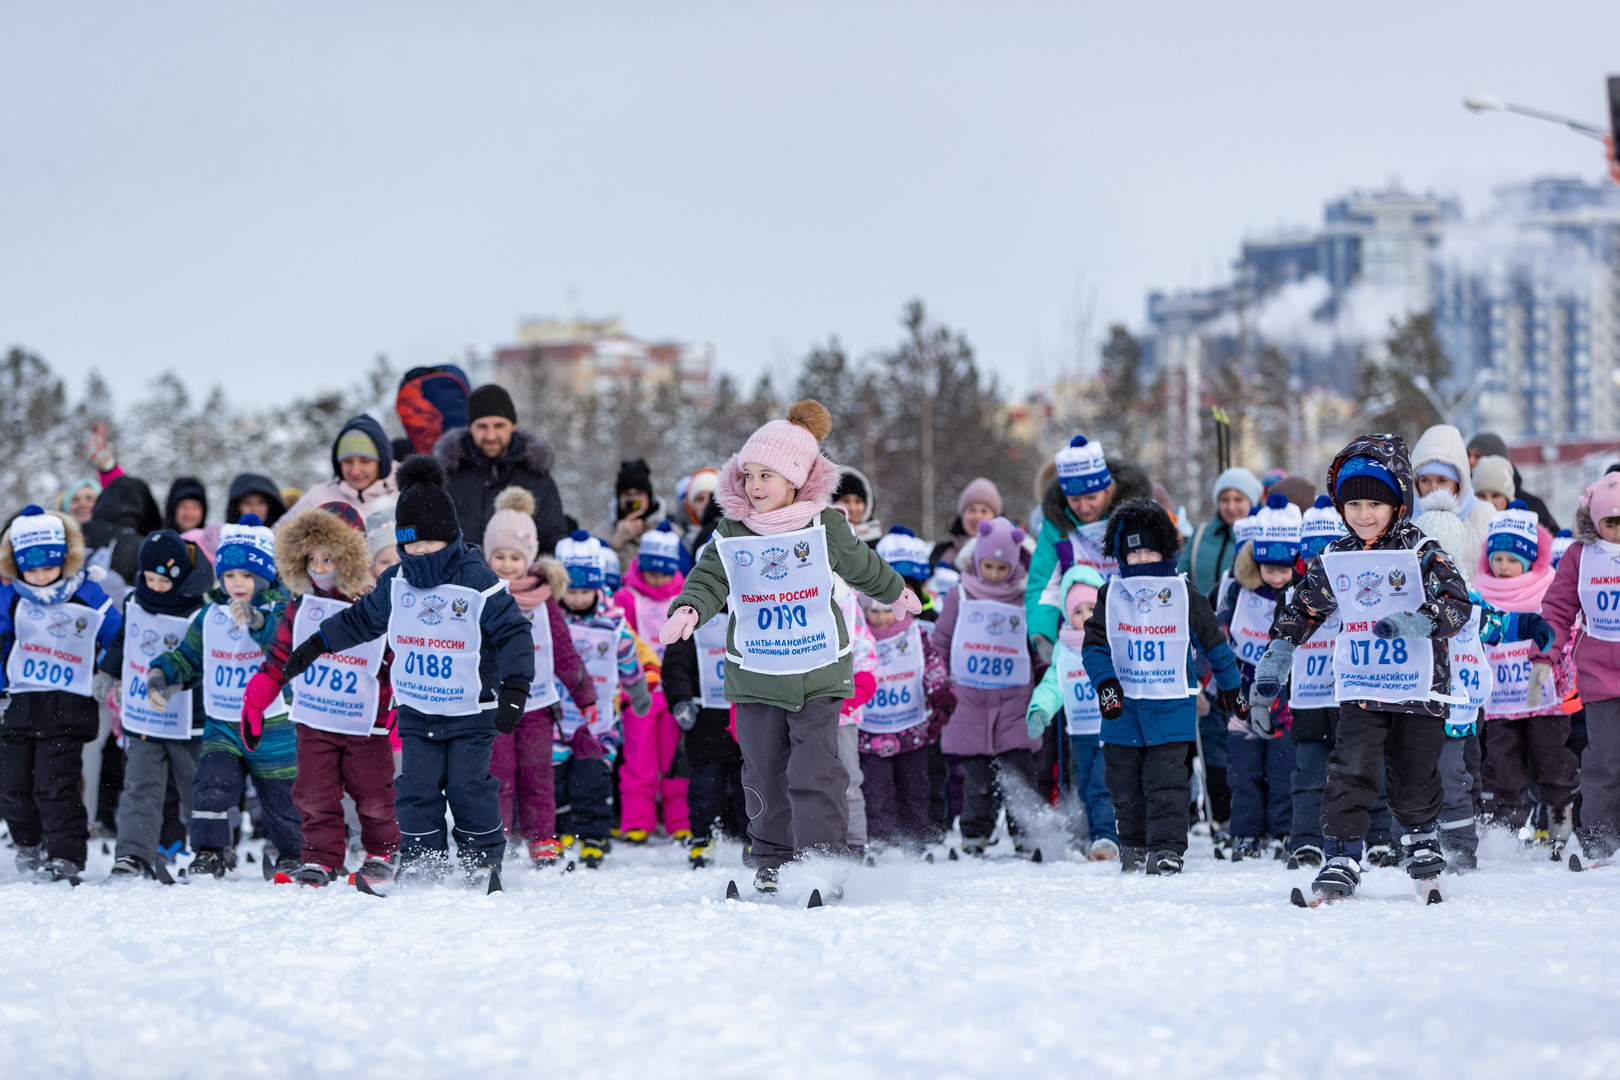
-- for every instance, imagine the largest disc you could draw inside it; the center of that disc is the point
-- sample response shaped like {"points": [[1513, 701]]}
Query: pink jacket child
{"points": [[1583, 606], [650, 739]]}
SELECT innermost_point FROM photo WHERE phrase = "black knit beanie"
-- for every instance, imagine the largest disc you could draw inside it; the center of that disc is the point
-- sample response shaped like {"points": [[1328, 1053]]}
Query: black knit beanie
{"points": [[850, 484], [424, 510], [1368, 487], [633, 476], [490, 400]]}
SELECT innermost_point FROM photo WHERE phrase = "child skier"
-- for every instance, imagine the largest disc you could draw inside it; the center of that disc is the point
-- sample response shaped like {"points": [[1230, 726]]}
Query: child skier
{"points": [[650, 738], [901, 724], [694, 677], [1066, 688], [53, 623], [864, 658], [1261, 762], [773, 557], [588, 736], [981, 628], [521, 761], [463, 665], [1136, 653], [1315, 713], [163, 732], [216, 652], [341, 704], [1399, 599]]}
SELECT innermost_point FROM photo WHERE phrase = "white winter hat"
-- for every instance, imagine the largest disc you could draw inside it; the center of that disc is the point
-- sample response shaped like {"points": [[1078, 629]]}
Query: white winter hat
{"points": [[1082, 467], [1320, 526], [1247, 528], [1276, 539], [1446, 527]]}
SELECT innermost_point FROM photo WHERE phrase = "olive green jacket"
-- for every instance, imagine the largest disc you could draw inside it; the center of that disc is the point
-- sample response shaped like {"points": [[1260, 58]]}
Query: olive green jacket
{"points": [[706, 590]]}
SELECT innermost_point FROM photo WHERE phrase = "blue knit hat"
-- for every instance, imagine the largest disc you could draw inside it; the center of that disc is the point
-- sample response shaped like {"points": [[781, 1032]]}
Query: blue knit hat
{"points": [[1277, 540], [612, 571], [580, 558], [38, 539], [1360, 477], [1320, 526], [249, 546], [902, 549], [1082, 468], [1514, 531], [660, 550], [1561, 543]]}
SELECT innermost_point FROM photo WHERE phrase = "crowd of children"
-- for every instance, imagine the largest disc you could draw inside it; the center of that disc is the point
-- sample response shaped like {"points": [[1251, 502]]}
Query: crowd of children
{"points": [[1360, 678]]}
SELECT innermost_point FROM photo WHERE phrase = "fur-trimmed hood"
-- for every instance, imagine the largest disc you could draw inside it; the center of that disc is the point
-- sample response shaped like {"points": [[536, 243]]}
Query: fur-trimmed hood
{"points": [[456, 451], [309, 529], [555, 573], [813, 497], [1245, 571], [72, 564], [1130, 482], [1585, 529]]}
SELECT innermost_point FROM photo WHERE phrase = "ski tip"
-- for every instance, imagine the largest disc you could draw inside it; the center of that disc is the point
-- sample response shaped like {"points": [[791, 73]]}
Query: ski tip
{"points": [[494, 881], [731, 891], [953, 856], [1433, 897], [281, 878], [815, 900], [1575, 862], [1036, 857], [362, 885], [929, 858], [1297, 898]]}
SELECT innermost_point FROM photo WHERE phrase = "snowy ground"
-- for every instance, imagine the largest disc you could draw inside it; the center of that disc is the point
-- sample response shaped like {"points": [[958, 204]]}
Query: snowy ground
{"points": [[984, 969]]}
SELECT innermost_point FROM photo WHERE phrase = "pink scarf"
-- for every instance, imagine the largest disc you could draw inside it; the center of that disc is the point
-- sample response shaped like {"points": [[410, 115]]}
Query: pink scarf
{"points": [[802, 512], [1520, 594], [526, 590]]}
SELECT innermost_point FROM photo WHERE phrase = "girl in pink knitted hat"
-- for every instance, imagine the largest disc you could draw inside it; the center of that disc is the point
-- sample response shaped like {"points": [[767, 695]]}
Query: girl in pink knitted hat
{"points": [[1583, 605], [788, 665]]}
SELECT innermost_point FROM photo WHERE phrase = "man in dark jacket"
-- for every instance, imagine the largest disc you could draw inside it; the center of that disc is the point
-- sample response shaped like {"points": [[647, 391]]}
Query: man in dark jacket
{"points": [[491, 454]]}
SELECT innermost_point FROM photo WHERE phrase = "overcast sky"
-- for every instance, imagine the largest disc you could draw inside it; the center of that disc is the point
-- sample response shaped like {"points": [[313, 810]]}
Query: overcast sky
{"points": [[268, 195]]}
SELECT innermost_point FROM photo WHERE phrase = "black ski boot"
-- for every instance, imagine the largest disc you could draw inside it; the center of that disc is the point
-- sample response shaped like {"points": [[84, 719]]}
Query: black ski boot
{"points": [[1131, 859], [30, 858], [208, 862], [1245, 847], [1307, 856], [766, 880], [1383, 855], [59, 870], [1560, 825], [131, 868], [1164, 863], [1338, 879], [313, 874], [974, 847], [1421, 854], [1461, 860]]}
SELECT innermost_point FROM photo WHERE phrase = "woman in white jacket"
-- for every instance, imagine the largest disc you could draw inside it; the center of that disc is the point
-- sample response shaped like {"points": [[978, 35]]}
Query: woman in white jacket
{"points": [[1443, 483]]}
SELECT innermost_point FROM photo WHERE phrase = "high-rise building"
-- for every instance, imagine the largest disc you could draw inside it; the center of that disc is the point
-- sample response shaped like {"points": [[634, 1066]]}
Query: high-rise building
{"points": [[1527, 305], [600, 355]]}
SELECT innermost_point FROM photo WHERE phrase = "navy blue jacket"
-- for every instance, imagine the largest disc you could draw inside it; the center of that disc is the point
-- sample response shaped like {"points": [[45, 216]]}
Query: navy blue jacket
{"points": [[506, 655], [1151, 722]]}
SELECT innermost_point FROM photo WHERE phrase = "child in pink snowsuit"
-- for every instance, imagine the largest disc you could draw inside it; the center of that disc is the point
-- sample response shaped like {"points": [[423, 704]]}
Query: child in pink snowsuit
{"points": [[650, 739]]}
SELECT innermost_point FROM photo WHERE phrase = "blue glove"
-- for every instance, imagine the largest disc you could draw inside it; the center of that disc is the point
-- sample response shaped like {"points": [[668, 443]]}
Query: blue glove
{"points": [[1272, 671], [1533, 627], [1036, 722], [1404, 624]]}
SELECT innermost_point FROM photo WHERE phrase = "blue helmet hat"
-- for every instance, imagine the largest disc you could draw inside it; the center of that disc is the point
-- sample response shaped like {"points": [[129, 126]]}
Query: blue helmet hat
{"points": [[38, 539], [1081, 467], [579, 556], [660, 550], [249, 546], [906, 552], [1561, 544], [1514, 531], [1320, 526], [1276, 537]]}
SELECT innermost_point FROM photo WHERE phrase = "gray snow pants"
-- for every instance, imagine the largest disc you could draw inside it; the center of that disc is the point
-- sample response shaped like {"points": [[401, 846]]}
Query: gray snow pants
{"points": [[1457, 831], [849, 752], [795, 785], [1600, 780], [146, 779]]}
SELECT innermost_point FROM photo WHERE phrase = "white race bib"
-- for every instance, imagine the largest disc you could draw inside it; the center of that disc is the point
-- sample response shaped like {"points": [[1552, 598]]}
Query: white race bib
{"points": [[651, 615], [781, 597], [710, 639], [1310, 681], [990, 648], [1470, 675], [1370, 585], [339, 692], [1510, 681], [436, 639], [598, 647], [899, 703], [1148, 632], [54, 647], [1251, 626], [1599, 590], [1086, 543], [1079, 696], [543, 691], [230, 658], [147, 637]]}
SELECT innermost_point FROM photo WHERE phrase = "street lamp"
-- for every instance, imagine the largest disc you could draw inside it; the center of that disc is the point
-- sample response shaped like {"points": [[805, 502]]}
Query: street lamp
{"points": [[1487, 103]]}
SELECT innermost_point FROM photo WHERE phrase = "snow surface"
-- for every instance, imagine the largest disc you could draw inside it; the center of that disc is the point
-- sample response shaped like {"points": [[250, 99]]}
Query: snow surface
{"points": [[958, 969]]}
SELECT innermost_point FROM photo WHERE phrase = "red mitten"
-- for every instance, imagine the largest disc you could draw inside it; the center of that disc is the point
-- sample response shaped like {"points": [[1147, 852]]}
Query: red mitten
{"points": [[865, 687], [260, 694]]}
